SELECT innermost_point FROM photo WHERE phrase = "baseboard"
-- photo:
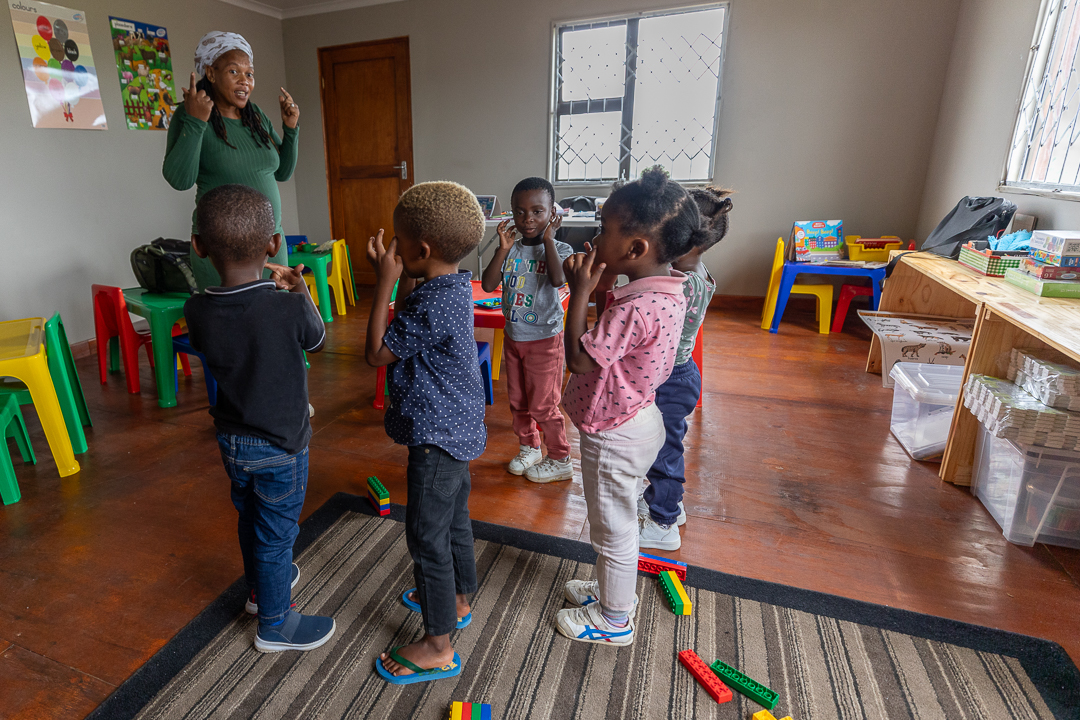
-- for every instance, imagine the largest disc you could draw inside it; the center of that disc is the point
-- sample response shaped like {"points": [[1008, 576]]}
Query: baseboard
{"points": [[84, 348]]}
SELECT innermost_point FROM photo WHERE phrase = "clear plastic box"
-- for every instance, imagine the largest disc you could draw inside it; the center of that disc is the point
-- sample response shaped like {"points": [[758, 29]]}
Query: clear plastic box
{"points": [[924, 398], [1032, 492]]}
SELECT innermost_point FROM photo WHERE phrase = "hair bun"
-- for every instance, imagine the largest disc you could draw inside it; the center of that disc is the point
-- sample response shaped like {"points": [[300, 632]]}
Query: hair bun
{"points": [[654, 179]]}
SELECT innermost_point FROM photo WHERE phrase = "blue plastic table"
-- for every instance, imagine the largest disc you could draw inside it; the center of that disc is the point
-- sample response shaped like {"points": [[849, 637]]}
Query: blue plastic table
{"points": [[793, 269]]}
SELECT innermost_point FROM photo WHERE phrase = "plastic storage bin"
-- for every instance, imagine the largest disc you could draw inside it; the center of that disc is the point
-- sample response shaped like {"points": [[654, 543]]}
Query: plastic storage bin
{"points": [[924, 397], [1033, 492]]}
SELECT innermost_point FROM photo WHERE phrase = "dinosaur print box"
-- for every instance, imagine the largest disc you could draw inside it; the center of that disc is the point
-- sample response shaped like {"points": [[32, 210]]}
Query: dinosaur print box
{"points": [[919, 339]]}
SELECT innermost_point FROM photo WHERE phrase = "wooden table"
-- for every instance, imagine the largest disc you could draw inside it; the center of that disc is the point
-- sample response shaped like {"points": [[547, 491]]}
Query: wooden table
{"points": [[1006, 317]]}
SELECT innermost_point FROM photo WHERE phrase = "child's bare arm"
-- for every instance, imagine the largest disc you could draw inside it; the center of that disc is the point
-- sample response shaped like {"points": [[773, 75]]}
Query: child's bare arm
{"points": [[493, 272], [555, 271], [582, 277], [388, 268]]}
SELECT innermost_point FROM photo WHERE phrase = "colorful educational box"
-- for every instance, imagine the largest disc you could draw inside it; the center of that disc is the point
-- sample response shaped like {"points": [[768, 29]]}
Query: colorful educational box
{"points": [[144, 64], [470, 711], [918, 339], [1055, 259], [57, 66], [817, 240], [378, 496], [1056, 242], [655, 565], [1043, 288], [720, 692], [675, 593]]}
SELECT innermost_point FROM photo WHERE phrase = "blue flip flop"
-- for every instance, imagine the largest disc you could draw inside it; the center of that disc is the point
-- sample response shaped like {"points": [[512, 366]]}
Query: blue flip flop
{"points": [[415, 607], [419, 674]]}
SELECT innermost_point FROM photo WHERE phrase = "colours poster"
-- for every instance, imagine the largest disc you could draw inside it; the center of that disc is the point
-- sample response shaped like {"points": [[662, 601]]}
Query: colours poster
{"points": [[57, 67], [146, 75]]}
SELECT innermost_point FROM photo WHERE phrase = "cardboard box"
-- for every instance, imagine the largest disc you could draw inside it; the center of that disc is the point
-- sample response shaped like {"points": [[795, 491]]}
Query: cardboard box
{"points": [[919, 339], [1049, 258], [1033, 267], [1066, 244], [817, 240], [1043, 288]]}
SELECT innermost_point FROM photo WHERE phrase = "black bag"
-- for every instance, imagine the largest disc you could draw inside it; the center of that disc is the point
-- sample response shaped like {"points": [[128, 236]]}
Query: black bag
{"points": [[973, 218], [577, 237], [163, 266]]}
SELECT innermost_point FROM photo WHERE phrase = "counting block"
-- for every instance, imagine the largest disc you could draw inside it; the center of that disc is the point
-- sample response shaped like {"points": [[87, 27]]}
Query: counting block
{"points": [[656, 565], [673, 590], [378, 496], [708, 680], [470, 711], [747, 686], [766, 715]]}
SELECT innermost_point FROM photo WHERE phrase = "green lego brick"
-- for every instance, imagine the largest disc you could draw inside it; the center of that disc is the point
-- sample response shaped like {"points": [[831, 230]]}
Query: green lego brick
{"points": [[377, 488], [747, 686], [671, 593]]}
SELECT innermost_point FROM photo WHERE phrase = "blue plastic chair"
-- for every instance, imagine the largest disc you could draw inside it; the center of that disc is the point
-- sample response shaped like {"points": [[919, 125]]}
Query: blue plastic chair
{"points": [[483, 354], [793, 269], [181, 344], [293, 240]]}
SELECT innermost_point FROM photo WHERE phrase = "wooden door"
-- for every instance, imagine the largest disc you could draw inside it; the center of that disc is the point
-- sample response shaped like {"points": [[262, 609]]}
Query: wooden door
{"points": [[367, 131]]}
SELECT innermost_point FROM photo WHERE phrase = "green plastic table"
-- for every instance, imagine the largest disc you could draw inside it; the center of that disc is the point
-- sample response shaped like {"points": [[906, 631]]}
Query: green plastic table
{"points": [[163, 310], [318, 263]]}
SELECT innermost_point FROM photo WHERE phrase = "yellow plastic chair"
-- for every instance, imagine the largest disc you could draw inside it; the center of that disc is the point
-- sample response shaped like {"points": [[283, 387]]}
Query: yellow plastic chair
{"points": [[823, 293], [335, 278]]}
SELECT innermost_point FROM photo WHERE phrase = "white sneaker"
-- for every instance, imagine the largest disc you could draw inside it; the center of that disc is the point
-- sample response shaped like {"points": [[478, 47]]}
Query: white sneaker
{"points": [[652, 534], [549, 470], [587, 624], [643, 509], [310, 410], [525, 459], [584, 592]]}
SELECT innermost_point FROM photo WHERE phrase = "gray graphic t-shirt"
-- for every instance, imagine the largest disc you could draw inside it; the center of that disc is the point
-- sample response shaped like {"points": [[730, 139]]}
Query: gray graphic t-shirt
{"points": [[529, 303]]}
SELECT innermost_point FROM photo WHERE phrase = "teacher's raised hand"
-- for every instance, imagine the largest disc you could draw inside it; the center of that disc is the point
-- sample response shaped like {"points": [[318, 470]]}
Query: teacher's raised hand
{"points": [[197, 104], [290, 113]]}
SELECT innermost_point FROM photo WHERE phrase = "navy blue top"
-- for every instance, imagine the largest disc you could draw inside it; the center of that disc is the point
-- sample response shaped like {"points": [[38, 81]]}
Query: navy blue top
{"points": [[436, 396]]}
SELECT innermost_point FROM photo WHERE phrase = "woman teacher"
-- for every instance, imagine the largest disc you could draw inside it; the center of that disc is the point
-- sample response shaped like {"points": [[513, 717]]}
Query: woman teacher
{"points": [[218, 136]]}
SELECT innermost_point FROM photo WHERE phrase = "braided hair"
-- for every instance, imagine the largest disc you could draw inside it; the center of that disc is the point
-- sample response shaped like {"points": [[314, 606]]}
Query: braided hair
{"points": [[713, 205], [662, 210], [249, 116]]}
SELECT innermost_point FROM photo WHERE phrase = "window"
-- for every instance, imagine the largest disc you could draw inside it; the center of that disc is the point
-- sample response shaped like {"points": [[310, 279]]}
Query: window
{"points": [[1044, 155], [638, 91]]}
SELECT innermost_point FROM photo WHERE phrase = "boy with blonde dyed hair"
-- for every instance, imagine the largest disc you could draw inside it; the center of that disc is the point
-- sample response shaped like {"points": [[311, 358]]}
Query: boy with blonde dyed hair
{"points": [[436, 409]]}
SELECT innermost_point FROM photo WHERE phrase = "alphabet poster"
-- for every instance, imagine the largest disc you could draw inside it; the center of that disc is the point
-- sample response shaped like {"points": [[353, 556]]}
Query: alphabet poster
{"points": [[144, 63], [57, 67]]}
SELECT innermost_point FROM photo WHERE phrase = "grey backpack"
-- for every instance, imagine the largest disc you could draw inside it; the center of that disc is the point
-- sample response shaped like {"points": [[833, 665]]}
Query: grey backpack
{"points": [[163, 267]]}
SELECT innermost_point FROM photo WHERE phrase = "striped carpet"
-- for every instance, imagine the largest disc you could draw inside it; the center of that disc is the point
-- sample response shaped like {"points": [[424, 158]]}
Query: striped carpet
{"points": [[357, 567]]}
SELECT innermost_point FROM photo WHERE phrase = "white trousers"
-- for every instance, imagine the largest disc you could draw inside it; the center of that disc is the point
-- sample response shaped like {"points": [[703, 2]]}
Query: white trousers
{"points": [[613, 467]]}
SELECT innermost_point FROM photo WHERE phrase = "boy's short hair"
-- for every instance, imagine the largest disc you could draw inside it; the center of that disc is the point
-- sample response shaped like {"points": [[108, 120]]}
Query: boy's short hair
{"points": [[234, 222], [534, 183], [445, 215]]}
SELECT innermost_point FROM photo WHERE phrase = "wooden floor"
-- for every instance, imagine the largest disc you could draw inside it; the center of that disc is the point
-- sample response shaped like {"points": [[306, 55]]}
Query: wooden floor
{"points": [[793, 477]]}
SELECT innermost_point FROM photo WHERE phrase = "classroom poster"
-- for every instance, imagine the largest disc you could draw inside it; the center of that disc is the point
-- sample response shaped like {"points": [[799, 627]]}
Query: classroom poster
{"points": [[144, 64], [57, 67]]}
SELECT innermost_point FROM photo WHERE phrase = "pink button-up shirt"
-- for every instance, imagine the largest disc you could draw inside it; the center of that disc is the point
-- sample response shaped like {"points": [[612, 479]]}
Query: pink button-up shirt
{"points": [[634, 342]]}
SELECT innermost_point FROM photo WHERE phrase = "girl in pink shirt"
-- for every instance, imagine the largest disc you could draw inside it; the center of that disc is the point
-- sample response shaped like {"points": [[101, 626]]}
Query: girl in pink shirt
{"points": [[616, 368]]}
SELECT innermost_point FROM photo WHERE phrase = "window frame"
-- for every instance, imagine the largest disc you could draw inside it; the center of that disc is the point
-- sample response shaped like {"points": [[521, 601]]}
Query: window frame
{"points": [[553, 104], [1042, 34]]}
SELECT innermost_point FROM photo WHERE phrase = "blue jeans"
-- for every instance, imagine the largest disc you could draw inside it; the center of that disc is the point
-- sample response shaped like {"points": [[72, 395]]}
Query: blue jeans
{"points": [[268, 486], [438, 534], [676, 399]]}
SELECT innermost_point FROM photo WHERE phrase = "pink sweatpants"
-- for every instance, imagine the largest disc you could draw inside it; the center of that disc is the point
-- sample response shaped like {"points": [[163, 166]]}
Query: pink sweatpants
{"points": [[534, 379]]}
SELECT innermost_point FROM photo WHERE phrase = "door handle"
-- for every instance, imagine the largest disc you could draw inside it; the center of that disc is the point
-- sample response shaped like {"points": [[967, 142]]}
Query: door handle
{"points": [[404, 168]]}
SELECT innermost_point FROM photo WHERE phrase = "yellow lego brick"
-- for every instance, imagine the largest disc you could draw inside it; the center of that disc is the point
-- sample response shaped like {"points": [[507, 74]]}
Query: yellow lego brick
{"points": [[455, 711], [687, 605], [766, 715]]}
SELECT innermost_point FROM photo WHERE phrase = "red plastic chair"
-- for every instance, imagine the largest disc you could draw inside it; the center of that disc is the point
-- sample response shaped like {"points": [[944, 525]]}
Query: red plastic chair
{"points": [[111, 320], [847, 294]]}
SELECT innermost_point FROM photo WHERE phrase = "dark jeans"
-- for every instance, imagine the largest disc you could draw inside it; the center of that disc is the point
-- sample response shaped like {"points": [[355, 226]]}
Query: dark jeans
{"points": [[439, 534], [676, 399], [268, 486]]}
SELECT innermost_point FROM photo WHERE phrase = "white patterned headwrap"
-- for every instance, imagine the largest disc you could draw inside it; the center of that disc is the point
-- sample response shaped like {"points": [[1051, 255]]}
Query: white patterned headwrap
{"points": [[215, 44]]}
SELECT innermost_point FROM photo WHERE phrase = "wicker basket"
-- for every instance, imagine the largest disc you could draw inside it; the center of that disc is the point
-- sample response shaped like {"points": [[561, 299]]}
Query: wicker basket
{"points": [[987, 262]]}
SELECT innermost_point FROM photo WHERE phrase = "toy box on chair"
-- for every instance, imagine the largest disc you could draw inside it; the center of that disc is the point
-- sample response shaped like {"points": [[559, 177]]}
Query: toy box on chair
{"points": [[816, 240]]}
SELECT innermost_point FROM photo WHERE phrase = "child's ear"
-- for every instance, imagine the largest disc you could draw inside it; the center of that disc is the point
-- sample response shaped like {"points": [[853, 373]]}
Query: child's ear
{"points": [[425, 250], [274, 245], [639, 248], [196, 244]]}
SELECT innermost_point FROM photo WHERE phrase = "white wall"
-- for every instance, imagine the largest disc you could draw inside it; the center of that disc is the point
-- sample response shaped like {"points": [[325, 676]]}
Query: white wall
{"points": [[982, 91], [75, 202], [829, 108]]}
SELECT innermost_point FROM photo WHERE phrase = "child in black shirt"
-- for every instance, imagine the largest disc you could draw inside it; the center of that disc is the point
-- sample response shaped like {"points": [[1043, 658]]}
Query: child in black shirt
{"points": [[254, 339]]}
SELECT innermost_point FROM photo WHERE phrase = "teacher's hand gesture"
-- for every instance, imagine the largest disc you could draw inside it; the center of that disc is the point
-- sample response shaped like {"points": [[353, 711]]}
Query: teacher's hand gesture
{"points": [[290, 113], [197, 104]]}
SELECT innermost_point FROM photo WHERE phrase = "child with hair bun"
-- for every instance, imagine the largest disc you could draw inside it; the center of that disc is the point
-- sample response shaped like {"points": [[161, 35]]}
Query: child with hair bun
{"points": [[616, 368], [660, 507]]}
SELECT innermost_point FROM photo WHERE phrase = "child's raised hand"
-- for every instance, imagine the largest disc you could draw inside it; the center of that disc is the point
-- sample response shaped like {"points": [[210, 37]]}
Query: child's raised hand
{"points": [[507, 234], [385, 262], [581, 274], [286, 278], [552, 227]]}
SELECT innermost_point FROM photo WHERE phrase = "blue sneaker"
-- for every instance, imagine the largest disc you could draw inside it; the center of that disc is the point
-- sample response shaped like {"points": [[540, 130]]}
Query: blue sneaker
{"points": [[252, 604], [298, 632], [587, 624]]}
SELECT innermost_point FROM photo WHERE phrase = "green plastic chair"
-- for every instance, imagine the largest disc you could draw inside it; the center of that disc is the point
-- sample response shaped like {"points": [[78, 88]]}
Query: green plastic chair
{"points": [[66, 381], [11, 420]]}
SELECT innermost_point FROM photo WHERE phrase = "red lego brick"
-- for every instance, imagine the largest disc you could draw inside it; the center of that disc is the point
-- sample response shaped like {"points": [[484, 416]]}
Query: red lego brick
{"points": [[705, 677], [656, 565]]}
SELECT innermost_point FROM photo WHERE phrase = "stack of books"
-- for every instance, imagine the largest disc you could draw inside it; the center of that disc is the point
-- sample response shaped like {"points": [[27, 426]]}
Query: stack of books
{"points": [[1008, 411], [1052, 383], [1053, 267]]}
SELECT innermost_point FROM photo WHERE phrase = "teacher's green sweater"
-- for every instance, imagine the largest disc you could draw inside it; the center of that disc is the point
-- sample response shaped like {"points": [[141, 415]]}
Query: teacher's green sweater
{"points": [[195, 155]]}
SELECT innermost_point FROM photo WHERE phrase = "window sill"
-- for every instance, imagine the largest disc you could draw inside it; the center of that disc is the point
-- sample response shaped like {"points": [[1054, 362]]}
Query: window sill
{"points": [[1072, 196]]}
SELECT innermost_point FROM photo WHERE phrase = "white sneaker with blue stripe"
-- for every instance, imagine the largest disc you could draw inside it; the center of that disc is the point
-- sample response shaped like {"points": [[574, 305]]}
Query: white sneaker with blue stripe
{"points": [[587, 624], [584, 592]]}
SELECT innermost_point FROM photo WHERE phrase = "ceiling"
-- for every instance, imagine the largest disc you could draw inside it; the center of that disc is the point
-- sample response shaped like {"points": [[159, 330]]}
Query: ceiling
{"points": [[283, 9]]}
